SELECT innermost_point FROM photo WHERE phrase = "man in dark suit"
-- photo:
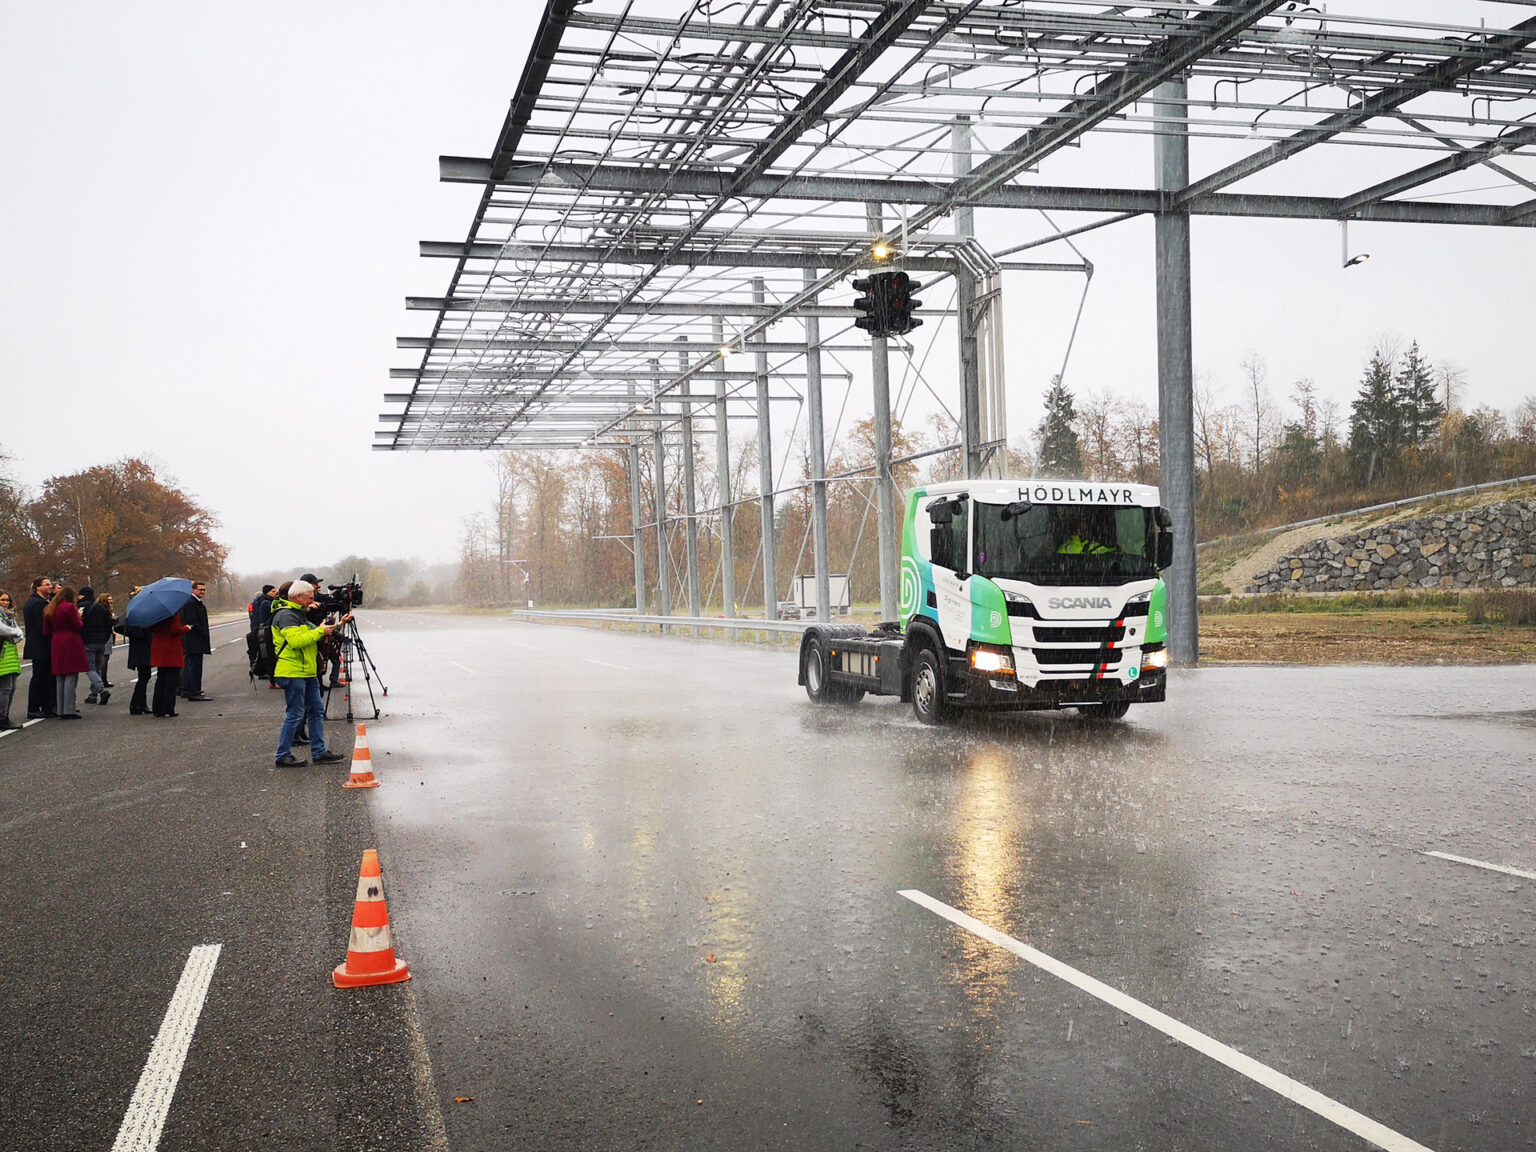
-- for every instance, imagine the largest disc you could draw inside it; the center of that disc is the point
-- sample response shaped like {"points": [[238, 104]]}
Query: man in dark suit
{"points": [[195, 644], [41, 691]]}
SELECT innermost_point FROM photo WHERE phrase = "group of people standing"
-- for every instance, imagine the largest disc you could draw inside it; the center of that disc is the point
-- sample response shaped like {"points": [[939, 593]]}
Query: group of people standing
{"points": [[66, 633]]}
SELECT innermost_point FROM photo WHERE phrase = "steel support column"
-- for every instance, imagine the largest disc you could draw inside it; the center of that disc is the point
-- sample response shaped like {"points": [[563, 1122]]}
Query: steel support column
{"points": [[885, 481], [765, 469], [965, 306], [636, 520], [659, 485], [690, 504], [723, 484], [818, 453], [1175, 370]]}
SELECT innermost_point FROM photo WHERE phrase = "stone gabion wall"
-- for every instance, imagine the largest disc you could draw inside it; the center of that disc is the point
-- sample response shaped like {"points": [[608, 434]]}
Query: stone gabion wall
{"points": [[1489, 547]]}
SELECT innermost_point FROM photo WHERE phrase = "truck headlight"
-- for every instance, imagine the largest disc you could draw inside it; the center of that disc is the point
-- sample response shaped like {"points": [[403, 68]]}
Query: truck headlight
{"points": [[1154, 658], [991, 660]]}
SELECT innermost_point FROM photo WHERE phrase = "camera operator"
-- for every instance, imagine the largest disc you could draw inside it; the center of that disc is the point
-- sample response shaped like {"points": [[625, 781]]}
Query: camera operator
{"points": [[326, 606], [297, 644]]}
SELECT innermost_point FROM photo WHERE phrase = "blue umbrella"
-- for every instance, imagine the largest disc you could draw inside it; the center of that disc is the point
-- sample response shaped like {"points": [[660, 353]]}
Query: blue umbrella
{"points": [[158, 601]]}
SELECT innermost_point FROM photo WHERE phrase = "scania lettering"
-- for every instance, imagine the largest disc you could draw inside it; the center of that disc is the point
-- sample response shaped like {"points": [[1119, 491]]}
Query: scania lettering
{"points": [[1079, 602], [1015, 595]]}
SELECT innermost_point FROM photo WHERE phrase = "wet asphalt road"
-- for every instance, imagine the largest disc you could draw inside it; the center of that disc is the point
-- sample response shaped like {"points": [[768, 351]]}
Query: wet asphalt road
{"points": [[126, 842], [651, 896]]}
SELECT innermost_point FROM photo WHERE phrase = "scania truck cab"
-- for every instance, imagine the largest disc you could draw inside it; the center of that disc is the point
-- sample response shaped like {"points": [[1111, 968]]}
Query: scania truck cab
{"points": [[1015, 595]]}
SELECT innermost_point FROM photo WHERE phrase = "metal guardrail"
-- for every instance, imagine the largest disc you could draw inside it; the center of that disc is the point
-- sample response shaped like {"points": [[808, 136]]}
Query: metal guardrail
{"points": [[740, 624]]}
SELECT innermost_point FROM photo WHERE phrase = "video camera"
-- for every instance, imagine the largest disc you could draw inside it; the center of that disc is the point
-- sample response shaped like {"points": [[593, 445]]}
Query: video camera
{"points": [[341, 598]]}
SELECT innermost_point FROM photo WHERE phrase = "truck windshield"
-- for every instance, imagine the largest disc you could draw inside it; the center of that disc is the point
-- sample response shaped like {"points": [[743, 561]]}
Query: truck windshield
{"points": [[1074, 544]]}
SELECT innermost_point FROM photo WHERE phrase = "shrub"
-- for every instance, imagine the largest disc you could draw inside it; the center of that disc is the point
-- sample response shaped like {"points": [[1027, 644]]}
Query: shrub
{"points": [[1515, 607]]}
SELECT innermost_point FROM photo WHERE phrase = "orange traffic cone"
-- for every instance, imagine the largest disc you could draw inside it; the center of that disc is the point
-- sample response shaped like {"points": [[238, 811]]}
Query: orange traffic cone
{"points": [[342, 675], [362, 762], [370, 954]]}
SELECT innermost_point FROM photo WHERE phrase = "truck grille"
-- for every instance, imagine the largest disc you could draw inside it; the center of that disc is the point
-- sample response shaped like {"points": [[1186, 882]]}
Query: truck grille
{"points": [[1096, 634], [1054, 656]]}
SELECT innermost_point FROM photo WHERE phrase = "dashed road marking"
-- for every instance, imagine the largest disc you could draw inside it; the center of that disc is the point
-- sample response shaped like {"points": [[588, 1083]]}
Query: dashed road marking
{"points": [[151, 1102], [605, 664], [1293, 1090], [19, 727], [1482, 864], [461, 668]]}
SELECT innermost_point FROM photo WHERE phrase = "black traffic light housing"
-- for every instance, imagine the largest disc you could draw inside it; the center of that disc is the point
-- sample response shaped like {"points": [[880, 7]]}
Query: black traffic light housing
{"points": [[874, 303], [901, 303]]}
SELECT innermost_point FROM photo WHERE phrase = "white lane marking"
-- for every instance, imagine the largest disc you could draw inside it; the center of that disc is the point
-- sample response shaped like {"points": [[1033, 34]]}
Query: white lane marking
{"points": [[605, 664], [19, 727], [461, 668], [1482, 864], [1293, 1090], [151, 1101]]}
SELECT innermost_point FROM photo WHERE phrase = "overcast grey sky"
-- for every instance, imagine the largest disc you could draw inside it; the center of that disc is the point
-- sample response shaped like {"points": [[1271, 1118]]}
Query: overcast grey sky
{"points": [[210, 217]]}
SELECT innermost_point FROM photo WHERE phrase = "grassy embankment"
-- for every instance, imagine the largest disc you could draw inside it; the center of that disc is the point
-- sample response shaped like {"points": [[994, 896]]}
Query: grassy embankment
{"points": [[1375, 628]]}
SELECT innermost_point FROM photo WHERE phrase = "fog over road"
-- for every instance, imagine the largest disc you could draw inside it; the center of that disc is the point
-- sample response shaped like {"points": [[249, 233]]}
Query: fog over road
{"points": [[654, 898]]}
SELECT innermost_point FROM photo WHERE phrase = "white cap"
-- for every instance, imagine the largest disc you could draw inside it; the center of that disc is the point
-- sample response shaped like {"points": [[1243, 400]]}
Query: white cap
{"points": [[298, 588]]}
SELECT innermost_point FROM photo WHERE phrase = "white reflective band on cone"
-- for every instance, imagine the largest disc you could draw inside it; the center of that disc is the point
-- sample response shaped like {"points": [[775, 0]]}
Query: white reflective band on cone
{"points": [[369, 940], [370, 889]]}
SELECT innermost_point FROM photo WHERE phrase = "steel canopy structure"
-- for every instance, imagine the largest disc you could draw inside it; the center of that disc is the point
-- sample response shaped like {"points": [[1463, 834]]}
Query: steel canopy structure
{"points": [[673, 193]]}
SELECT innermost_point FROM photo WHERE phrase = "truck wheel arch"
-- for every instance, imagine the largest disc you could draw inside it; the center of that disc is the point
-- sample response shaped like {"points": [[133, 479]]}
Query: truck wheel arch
{"points": [[922, 632]]}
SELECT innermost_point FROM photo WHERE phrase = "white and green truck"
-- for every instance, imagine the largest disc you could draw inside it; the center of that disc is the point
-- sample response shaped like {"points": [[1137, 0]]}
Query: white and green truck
{"points": [[1015, 595]]}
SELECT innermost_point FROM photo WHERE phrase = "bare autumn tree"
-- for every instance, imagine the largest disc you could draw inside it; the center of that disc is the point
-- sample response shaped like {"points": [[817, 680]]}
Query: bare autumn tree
{"points": [[1097, 413], [949, 465], [116, 525], [1258, 409], [545, 479], [1137, 434], [504, 518], [478, 580]]}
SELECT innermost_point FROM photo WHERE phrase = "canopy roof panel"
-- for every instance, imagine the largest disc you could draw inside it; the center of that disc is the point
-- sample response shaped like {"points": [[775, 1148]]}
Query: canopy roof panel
{"points": [[663, 182]]}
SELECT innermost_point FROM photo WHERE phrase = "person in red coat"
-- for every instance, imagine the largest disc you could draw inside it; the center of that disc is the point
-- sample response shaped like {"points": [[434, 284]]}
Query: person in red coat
{"points": [[165, 655], [61, 624]]}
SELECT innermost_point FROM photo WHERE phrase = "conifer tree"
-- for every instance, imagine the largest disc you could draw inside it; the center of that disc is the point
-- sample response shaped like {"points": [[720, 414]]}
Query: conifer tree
{"points": [[1375, 421], [1060, 454], [1420, 407]]}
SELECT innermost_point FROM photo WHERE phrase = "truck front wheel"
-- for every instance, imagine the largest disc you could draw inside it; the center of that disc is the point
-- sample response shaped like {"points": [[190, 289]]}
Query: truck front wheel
{"points": [[929, 702]]}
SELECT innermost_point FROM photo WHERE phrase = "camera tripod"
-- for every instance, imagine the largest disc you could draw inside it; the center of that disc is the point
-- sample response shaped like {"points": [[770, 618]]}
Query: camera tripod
{"points": [[350, 650]]}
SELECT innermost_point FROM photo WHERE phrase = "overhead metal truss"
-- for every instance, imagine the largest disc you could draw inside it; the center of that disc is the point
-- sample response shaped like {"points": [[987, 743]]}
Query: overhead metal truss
{"points": [[677, 184], [653, 163]]}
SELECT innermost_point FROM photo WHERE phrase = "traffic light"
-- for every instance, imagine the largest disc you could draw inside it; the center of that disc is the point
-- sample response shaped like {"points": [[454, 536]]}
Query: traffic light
{"points": [[901, 304], [874, 303]]}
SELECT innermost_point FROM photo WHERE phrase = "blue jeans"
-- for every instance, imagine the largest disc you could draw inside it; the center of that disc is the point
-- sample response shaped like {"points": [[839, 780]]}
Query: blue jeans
{"points": [[192, 674], [96, 658], [305, 706]]}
